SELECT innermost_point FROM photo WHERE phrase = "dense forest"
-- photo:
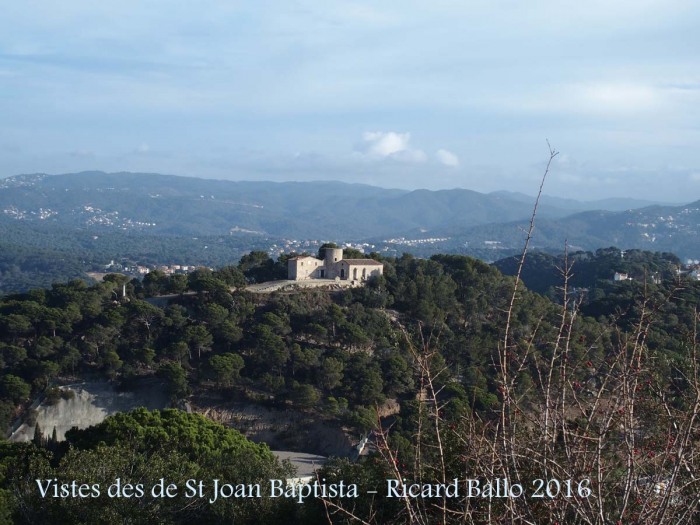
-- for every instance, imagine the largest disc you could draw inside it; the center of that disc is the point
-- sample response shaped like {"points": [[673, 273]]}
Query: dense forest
{"points": [[38, 255], [462, 348], [543, 272]]}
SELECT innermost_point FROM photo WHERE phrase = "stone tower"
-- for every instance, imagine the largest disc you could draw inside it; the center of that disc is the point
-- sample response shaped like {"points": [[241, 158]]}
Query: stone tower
{"points": [[332, 256]]}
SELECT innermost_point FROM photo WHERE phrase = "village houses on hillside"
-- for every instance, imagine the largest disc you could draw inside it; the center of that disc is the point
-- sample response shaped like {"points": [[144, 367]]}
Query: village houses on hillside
{"points": [[332, 266]]}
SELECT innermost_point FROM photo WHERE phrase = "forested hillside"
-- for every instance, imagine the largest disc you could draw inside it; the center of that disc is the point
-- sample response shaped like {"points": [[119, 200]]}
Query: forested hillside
{"points": [[544, 273], [34, 255], [446, 338], [56, 227], [658, 228], [170, 205]]}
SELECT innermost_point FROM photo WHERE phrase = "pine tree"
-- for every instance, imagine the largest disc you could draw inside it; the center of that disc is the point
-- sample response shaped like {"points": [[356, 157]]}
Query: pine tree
{"points": [[53, 441], [38, 436]]}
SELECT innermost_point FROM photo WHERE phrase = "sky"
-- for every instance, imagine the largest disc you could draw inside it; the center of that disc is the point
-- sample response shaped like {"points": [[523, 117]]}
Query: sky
{"points": [[409, 94]]}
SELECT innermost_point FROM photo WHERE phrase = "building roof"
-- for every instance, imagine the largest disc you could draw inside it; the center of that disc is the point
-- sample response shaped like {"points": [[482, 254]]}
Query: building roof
{"points": [[303, 257], [362, 262]]}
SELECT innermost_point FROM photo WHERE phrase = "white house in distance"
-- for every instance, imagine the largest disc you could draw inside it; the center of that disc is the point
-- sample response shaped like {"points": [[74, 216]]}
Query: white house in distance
{"points": [[332, 266]]}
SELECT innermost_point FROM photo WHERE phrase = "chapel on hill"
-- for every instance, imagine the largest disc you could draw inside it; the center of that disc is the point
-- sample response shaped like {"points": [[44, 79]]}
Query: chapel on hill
{"points": [[332, 266]]}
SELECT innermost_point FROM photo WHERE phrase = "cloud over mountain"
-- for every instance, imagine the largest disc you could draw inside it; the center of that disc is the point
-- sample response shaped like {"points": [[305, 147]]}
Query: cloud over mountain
{"points": [[390, 144], [447, 158]]}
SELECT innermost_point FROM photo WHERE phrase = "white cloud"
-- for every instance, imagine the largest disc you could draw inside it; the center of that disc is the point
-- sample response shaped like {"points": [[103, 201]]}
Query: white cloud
{"points": [[606, 98], [619, 98], [411, 155], [390, 144], [447, 158], [385, 144]]}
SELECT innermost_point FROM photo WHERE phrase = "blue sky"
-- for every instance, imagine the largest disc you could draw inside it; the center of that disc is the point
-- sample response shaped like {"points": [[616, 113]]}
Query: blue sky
{"points": [[408, 94]]}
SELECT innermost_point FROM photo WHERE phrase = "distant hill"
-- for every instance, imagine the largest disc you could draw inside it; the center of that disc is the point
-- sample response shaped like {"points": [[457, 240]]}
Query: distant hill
{"points": [[673, 229], [611, 204], [164, 204], [55, 225], [542, 272], [36, 254]]}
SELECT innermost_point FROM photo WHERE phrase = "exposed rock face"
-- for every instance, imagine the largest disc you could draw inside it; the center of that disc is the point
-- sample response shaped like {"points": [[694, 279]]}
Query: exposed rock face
{"points": [[282, 430], [91, 404]]}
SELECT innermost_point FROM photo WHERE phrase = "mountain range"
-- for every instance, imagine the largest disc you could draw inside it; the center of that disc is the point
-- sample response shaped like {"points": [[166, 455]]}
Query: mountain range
{"points": [[461, 220], [674, 229]]}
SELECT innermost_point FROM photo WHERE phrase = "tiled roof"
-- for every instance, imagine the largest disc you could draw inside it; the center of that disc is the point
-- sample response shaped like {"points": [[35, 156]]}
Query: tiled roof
{"points": [[362, 262]]}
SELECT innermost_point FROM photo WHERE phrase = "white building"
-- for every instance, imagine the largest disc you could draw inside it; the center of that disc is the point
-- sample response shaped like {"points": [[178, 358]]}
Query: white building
{"points": [[332, 266]]}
